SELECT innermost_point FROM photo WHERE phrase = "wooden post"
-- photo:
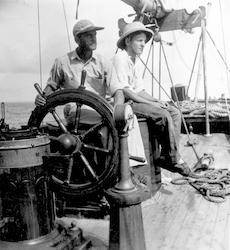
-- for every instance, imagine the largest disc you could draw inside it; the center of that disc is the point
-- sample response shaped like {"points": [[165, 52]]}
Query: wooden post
{"points": [[205, 76], [198, 78]]}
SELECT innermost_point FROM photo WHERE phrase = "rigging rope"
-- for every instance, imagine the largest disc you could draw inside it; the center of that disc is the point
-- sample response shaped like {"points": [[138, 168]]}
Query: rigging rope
{"points": [[214, 110], [224, 43], [39, 37], [39, 46], [177, 106], [66, 25], [224, 61], [150, 48], [192, 71], [179, 53]]}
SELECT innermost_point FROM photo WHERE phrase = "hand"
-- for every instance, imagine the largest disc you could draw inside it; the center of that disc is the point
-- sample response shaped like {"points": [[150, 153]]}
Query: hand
{"points": [[164, 104], [40, 101]]}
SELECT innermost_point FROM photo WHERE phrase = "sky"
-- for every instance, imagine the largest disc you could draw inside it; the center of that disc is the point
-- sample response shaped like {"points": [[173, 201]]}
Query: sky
{"points": [[35, 32]]}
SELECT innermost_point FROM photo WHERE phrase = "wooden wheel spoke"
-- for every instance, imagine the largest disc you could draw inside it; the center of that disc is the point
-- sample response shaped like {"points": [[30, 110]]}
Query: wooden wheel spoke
{"points": [[77, 117], [104, 150], [58, 120], [69, 171], [87, 164], [92, 129]]}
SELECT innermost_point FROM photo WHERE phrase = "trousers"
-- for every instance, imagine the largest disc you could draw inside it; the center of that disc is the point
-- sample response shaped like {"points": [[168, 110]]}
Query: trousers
{"points": [[166, 126]]}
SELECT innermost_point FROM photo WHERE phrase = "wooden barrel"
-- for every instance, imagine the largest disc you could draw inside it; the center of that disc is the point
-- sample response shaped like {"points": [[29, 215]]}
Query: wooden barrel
{"points": [[152, 151]]}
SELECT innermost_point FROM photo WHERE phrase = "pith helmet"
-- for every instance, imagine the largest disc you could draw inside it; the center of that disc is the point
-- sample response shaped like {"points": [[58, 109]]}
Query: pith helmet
{"points": [[131, 28]]}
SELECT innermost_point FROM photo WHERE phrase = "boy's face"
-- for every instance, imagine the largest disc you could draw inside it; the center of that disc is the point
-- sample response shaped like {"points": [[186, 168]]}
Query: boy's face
{"points": [[137, 43], [88, 40]]}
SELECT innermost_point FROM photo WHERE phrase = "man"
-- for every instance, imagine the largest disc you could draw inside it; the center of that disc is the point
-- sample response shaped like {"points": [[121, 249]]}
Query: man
{"points": [[66, 71], [101, 79], [164, 119]]}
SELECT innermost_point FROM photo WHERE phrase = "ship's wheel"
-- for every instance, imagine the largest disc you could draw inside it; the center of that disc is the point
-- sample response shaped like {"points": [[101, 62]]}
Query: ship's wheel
{"points": [[86, 159]]}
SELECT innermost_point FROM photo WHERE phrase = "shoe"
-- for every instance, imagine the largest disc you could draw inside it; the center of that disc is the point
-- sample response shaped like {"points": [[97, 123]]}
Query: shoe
{"points": [[162, 163], [182, 169]]}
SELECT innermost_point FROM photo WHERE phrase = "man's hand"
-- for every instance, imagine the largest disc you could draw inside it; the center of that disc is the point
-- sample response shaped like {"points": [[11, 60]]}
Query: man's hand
{"points": [[40, 101]]}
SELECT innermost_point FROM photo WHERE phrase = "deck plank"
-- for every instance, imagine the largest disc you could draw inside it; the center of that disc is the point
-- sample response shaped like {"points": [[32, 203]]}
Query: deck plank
{"points": [[158, 211], [174, 232], [197, 225], [221, 226], [171, 211], [209, 226], [193, 204]]}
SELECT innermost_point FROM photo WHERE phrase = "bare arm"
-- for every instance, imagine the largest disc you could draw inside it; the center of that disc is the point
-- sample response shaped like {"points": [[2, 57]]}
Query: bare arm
{"points": [[141, 98], [144, 97], [119, 97]]}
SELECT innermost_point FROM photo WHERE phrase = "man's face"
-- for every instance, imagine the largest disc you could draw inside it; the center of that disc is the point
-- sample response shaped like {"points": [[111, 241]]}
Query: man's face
{"points": [[88, 40], [137, 43]]}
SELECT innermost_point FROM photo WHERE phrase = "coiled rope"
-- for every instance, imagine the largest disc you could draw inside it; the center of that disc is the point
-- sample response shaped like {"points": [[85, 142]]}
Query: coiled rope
{"points": [[213, 184], [214, 110]]}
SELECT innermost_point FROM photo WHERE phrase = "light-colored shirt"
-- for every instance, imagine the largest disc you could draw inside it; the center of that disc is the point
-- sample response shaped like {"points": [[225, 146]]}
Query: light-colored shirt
{"points": [[101, 77], [128, 73]]}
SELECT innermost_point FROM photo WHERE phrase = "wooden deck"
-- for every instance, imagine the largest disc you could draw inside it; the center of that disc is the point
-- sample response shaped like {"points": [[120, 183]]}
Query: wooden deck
{"points": [[181, 218]]}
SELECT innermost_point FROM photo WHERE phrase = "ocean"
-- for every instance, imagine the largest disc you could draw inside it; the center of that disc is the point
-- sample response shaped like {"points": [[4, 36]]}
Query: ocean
{"points": [[18, 113]]}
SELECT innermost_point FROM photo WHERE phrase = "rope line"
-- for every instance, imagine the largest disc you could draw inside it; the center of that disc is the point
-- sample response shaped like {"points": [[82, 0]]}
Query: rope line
{"points": [[214, 110], [67, 30], [39, 43], [213, 184]]}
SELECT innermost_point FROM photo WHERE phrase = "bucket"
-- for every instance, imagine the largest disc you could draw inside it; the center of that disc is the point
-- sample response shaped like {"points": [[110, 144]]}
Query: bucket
{"points": [[180, 90]]}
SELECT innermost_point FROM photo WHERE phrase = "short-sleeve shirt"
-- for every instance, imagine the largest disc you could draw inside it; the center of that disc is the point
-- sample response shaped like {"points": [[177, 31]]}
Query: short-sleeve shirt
{"points": [[128, 73], [101, 79], [101, 76]]}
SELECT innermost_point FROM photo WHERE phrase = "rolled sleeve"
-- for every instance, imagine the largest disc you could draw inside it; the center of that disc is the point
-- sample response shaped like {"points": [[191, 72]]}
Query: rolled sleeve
{"points": [[121, 67], [55, 77], [128, 74], [112, 81]]}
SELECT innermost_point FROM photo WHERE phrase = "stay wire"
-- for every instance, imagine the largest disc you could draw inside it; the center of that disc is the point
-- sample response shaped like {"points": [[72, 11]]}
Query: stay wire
{"points": [[156, 80], [227, 69], [225, 63], [150, 48], [67, 30], [39, 43], [160, 49], [177, 106], [198, 47]]}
